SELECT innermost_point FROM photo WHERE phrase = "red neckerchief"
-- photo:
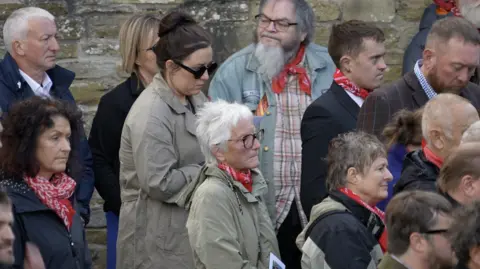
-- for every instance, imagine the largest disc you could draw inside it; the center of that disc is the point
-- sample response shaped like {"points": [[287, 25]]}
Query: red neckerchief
{"points": [[348, 85], [242, 177], [445, 6], [54, 194], [432, 157], [279, 82], [375, 210]]}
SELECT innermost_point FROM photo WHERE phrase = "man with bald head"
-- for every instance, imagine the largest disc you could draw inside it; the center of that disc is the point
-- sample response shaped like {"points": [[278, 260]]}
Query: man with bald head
{"points": [[445, 119]]}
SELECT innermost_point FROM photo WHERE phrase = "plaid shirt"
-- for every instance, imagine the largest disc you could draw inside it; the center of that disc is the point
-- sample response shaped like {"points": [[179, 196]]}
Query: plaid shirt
{"points": [[423, 81], [287, 159]]}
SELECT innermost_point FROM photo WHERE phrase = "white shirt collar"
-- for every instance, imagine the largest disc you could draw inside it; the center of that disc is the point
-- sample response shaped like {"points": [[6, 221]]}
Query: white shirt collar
{"points": [[40, 90], [356, 99]]}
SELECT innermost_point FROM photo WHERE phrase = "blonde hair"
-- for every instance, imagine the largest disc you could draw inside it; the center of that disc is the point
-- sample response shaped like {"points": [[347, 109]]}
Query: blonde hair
{"points": [[137, 33]]}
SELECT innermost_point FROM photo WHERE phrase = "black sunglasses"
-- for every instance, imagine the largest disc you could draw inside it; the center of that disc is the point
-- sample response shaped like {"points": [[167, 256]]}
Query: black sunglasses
{"points": [[198, 73]]}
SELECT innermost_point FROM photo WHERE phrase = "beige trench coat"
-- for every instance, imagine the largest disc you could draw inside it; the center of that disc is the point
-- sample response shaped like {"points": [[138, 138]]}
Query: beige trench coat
{"points": [[159, 158]]}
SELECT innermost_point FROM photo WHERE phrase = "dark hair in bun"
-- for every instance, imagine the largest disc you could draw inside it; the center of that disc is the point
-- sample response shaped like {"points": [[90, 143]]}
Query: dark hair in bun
{"points": [[180, 35], [405, 128]]}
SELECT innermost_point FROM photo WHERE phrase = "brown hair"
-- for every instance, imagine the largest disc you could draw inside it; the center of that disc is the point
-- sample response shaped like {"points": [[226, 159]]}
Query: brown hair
{"points": [[465, 160], [180, 35], [405, 128], [412, 212], [465, 231], [24, 123], [445, 29], [347, 38], [353, 149]]}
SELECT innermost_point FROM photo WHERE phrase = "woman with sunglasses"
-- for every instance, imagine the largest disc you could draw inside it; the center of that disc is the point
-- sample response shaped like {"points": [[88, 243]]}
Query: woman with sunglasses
{"points": [[229, 225], [159, 152]]}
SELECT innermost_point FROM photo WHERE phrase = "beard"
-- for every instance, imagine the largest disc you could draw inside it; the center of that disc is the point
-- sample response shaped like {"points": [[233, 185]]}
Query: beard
{"points": [[270, 58], [438, 261], [436, 82], [471, 12]]}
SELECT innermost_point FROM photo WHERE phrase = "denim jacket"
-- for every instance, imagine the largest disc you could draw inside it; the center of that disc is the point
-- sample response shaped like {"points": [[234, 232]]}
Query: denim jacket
{"points": [[238, 80]]}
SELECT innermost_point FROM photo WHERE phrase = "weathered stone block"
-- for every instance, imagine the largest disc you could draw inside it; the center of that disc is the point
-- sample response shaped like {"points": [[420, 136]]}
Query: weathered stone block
{"points": [[369, 10], [7, 8], [99, 256], [393, 73], [105, 8], [105, 26], [230, 38], [68, 50], [101, 47], [322, 34], [96, 236], [91, 68], [411, 10], [325, 10], [87, 93], [148, 1], [391, 35], [394, 57], [58, 8], [218, 11], [97, 217], [70, 28]]}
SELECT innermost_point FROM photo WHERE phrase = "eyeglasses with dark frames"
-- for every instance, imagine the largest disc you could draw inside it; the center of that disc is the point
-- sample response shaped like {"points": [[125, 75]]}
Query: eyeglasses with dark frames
{"points": [[438, 231], [198, 73], [249, 139], [152, 48], [281, 25]]}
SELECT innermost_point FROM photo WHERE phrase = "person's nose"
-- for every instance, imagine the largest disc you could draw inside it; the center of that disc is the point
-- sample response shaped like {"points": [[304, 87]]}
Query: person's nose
{"points": [[205, 75], [54, 45], [388, 175], [256, 144]]}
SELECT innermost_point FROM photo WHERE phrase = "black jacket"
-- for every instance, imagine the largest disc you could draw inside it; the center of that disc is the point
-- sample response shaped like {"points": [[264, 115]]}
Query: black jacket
{"points": [[331, 114], [35, 222], [418, 174], [105, 136], [14, 88]]}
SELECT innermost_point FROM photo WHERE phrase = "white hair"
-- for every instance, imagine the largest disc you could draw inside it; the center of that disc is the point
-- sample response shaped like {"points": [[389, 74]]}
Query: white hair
{"points": [[271, 59], [441, 112], [470, 10], [472, 134], [16, 26], [215, 122]]}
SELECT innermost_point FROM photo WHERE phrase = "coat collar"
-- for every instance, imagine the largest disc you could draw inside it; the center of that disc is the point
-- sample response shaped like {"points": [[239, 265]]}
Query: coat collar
{"points": [[160, 86], [135, 85], [345, 100], [389, 262], [61, 78], [419, 94]]}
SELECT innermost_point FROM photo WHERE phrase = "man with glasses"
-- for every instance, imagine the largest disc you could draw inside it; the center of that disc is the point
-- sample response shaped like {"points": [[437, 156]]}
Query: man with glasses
{"points": [[417, 225], [277, 77]]}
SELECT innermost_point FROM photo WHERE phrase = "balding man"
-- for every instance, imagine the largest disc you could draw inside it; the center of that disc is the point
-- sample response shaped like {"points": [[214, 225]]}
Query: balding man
{"points": [[459, 179], [445, 119], [472, 134]]}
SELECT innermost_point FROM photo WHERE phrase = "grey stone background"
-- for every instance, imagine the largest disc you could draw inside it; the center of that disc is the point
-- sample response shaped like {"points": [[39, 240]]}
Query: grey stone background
{"points": [[88, 31]]}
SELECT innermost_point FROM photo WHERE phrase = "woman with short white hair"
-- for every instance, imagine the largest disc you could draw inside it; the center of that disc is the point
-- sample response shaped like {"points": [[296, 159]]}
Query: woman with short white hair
{"points": [[228, 224]]}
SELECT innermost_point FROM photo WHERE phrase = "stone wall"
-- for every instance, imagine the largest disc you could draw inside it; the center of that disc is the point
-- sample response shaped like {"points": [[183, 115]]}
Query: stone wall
{"points": [[88, 31]]}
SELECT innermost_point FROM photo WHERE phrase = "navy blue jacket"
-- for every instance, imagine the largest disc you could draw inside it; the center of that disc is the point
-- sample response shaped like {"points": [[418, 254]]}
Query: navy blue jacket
{"points": [[14, 88], [36, 223]]}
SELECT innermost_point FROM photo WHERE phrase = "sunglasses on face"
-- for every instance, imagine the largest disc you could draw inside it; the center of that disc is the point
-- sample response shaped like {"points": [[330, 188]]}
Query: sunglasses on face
{"points": [[198, 73]]}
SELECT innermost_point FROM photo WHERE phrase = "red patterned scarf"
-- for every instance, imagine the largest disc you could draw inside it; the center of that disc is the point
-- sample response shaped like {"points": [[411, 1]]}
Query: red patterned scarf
{"points": [[375, 210], [55, 193], [445, 6], [432, 157], [348, 85], [242, 177], [280, 81]]}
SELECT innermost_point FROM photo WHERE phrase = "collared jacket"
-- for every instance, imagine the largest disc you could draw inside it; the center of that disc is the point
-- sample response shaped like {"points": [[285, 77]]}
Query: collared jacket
{"points": [[159, 158], [238, 80], [228, 226], [388, 262], [14, 88], [104, 139]]}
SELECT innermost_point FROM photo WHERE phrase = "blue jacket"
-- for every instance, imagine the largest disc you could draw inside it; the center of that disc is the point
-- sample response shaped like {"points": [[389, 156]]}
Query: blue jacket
{"points": [[13, 88], [396, 155]]}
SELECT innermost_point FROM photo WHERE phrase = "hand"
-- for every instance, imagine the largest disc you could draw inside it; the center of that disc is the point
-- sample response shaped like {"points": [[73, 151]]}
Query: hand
{"points": [[33, 257]]}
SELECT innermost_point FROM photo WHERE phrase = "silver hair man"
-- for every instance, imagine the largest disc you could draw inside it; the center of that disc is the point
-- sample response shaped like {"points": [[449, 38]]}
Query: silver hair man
{"points": [[472, 134]]}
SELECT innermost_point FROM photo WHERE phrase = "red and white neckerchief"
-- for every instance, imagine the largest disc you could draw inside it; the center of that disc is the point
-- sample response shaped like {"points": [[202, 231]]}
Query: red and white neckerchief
{"points": [[243, 177], [375, 210], [280, 81], [437, 161], [55, 193], [348, 85], [445, 6]]}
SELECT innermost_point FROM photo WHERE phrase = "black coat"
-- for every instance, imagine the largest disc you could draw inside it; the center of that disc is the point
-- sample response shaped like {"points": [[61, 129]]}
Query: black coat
{"points": [[329, 115], [418, 174], [105, 136], [35, 222]]}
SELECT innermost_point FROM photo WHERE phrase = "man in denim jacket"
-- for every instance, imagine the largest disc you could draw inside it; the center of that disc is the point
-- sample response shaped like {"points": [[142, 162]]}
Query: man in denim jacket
{"points": [[277, 77]]}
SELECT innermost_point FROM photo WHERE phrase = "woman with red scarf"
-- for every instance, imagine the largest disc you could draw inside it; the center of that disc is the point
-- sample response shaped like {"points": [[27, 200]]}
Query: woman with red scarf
{"points": [[37, 162], [346, 230], [229, 225]]}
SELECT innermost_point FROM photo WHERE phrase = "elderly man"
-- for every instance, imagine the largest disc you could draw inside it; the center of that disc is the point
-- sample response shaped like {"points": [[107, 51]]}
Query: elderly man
{"points": [[445, 119], [459, 179], [278, 77], [417, 224], [465, 236], [451, 54], [357, 49], [228, 224], [28, 68]]}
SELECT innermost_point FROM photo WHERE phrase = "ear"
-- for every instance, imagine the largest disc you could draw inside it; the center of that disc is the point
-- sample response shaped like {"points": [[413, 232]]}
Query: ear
{"points": [[475, 255], [346, 64], [418, 243], [19, 47], [352, 176], [170, 65], [219, 153], [303, 36], [437, 139], [467, 185]]}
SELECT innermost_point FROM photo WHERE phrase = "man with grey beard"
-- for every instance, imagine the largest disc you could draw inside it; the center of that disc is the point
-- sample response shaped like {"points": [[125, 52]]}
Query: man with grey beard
{"points": [[277, 77]]}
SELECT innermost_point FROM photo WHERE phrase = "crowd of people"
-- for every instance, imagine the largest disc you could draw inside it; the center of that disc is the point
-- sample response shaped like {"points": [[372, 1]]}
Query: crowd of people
{"points": [[297, 151]]}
